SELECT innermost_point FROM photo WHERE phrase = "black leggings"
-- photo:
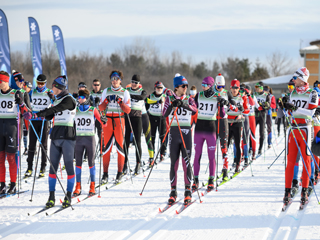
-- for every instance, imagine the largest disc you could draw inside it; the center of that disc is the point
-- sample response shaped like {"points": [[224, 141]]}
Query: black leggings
{"points": [[136, 123], [235, 130], [37, 124], [158, 123], [176, 146], [261, 119], [146, 127]]}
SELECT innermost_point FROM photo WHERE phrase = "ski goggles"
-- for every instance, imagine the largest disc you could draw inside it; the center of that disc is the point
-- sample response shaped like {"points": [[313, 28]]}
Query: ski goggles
{"points": [[294, 78], [291, 87], [115, 79], [135, 82], [82, 97], [205, 85], [41, 83], [222, 86]]}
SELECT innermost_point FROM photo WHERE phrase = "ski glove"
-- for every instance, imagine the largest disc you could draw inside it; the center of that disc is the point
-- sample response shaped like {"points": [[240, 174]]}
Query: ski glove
{"points": [[290, 106], [118, 99], [177, 103], [222, 101], [265, 105], [246, 91], [18, 98], [169, 93], [317, 113], [240, 108], [50, 95], [29, 115], [96, 100], [160, 101], [104, 119]]}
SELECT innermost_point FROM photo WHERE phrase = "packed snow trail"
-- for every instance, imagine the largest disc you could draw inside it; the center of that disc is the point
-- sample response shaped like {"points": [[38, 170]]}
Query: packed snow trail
{"points": [[244, 208]]}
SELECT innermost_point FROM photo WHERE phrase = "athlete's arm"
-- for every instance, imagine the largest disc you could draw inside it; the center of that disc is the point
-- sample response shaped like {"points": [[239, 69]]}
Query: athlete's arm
{"points": [[143, 96], [167, 107]]}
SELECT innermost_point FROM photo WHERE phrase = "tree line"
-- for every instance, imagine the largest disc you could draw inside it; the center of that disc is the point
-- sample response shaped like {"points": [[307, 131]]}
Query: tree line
{"points": [[142, 57]]}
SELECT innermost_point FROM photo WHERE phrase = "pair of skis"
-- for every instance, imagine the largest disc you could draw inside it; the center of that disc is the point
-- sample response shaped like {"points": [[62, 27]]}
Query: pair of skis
{"points": [[5, 195]]}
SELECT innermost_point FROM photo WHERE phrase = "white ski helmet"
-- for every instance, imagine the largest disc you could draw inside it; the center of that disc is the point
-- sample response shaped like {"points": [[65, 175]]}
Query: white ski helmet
{"points": [[220, 80]]}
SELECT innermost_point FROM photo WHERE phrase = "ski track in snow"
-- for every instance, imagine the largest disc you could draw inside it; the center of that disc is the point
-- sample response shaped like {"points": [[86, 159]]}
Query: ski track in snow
{"points": [[247, 207]]}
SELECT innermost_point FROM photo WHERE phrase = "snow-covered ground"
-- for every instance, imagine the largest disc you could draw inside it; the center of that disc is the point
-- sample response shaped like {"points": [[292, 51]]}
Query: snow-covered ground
{"points": [[247, 207]]}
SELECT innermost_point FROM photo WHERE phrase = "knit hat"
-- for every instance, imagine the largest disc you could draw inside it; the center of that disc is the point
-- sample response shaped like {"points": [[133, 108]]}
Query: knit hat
{"points": [[302, 73], [158, 84], [18, 76], [135, 77], [42, 78], [177, 75], [235, 83], [208, 80], [60, 82], [248, 87], [180, 80], [220, 80]]}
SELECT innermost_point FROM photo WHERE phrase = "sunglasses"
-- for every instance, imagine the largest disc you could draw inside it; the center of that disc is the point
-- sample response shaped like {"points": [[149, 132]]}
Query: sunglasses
{"points": [[41, 83], [19, 80], [184, 86], [204, 85], [290, 86], [235, 88], [135, 82], [96, 85], [159, 87], [82, 97], [115, 79], [218, 87], [294, 78]]}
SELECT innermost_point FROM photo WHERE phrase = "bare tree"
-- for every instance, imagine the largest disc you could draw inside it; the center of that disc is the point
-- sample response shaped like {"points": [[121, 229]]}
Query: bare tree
{"points": [[279, 64]]}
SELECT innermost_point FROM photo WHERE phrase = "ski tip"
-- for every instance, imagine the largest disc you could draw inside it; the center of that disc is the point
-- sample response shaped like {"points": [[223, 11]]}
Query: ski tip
{"points": [[177, 212], [60, 200], [160, 210], [78, 199]]}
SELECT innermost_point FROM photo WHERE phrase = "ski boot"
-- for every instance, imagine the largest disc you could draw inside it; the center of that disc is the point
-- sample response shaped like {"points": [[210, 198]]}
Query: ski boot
{"points": [[173, 196], [67, 200], [316, 176], [118, 177], [234, 164], [92, 190], [64, 167], [195, 184], [42, 171], [187, 195], [151, 162], [51, 200], [295, 187], [25, 153], [269, 146], [137, 169], [246, 162], [253, 157], [161, 157], [28, 173], [210, 184], [12, 189], [77, 190], [224, 174], [3, 188], [304, 196], [310, 188], [237, 170], [125, 169], [105, 177], [259, 152], [287, 196]]}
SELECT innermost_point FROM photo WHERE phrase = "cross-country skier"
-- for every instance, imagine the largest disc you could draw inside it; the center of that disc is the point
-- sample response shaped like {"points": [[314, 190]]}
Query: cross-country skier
{"points": [[86, 116], [41, 98], [261, 111], [95, 96], [10, 99], [301, 104], [115, 102], [154, 104], [137, 97], [235, 119], [273, 105], [207, 102], [186, 109]]}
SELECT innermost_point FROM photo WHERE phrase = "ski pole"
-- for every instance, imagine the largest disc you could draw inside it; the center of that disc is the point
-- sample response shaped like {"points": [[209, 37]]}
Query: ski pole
{"points": [[152, 164], [247, 141], [285, 112], [102, 136], [185, 148], [125, 145], [18, 148], [134, 138], [34, 177], [217, 147], [276, 159], [272, 144], [51, 165]]}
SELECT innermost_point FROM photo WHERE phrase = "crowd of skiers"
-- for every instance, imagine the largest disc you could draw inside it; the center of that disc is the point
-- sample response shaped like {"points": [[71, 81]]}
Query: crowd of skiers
{"points": [[117, 114]]}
